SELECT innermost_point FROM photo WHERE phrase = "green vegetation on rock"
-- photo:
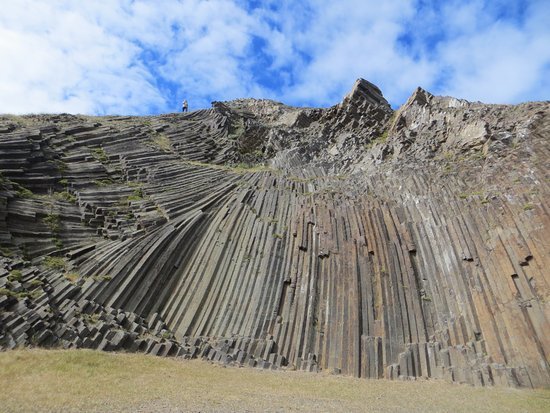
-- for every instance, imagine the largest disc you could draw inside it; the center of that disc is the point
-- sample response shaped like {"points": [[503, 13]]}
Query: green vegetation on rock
{"points": [[55, 263]]}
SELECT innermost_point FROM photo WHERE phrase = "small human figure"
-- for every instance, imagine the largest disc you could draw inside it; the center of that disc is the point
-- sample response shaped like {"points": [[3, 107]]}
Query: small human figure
{"points": [[184, 107]]}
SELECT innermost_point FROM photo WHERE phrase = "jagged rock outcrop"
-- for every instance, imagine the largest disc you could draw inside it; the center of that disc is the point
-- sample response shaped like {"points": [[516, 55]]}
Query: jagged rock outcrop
{"points": [[352, 239]]}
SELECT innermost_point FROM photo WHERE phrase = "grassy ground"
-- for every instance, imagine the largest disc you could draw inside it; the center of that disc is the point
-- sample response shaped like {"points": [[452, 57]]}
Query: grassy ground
{"points": [[89, 381]]}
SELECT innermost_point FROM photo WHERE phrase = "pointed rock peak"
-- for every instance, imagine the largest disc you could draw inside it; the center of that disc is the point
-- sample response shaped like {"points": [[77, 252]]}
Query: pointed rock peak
{"points": [[365, 91], [419, 97]]}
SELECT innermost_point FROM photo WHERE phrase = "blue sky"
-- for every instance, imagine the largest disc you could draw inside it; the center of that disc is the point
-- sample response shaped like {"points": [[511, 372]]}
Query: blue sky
{"points": [[144, 57]]}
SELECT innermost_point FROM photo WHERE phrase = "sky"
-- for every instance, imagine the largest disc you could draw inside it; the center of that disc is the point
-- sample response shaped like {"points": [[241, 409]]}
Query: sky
{"points": [[143, 57]]}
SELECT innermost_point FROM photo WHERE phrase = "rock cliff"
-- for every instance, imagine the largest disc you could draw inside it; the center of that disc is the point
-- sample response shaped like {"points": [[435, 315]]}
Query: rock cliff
{"points": [[354, 239]]}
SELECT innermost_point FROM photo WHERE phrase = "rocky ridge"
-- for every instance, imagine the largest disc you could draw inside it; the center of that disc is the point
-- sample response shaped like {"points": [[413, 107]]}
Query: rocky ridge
{"points": [[355, 239]]}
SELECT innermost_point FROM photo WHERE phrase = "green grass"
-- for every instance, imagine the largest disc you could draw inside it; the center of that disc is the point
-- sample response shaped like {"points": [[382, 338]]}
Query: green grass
{"points": [[61, 166], [100, 155], [466, 195], [91, 381], [104, 182], [134, 184], [241, 168], [58, 243], [55, 263], [15, 275], [19, 295], [137, 195], [6, 252], [162, 142], [377, 141], [5, 291], [22, 191], [65, 196], [91, 318], [53, 222]]}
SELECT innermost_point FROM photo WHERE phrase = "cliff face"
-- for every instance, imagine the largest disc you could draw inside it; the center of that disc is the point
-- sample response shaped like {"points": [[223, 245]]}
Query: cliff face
{"points": [[356, 239]]}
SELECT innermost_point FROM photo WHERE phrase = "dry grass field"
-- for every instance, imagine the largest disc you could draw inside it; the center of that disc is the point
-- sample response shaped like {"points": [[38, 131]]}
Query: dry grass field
{"points": [[91, 381]]}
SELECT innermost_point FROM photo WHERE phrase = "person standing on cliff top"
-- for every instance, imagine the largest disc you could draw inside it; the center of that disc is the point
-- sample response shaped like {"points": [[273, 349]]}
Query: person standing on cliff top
{"points": [[184, 106]]}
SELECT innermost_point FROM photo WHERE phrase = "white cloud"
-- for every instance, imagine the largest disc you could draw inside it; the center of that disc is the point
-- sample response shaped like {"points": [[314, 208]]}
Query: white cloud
{"points": [[211, 60], [501, 62], [350, 39], [470, 49], [141, 56], [62, 60]]}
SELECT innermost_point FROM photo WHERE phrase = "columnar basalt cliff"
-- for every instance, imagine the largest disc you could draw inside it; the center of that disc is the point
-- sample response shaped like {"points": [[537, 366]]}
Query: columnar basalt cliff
{"points": [[353, 239]]}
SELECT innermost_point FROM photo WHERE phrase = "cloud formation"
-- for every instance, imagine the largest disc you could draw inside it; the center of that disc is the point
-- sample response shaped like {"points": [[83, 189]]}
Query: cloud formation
{"points": [[141, 57]]}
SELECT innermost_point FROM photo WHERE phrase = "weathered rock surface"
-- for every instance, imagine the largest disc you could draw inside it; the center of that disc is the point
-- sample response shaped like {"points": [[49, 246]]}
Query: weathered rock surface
{"points": [[354, 239]]}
